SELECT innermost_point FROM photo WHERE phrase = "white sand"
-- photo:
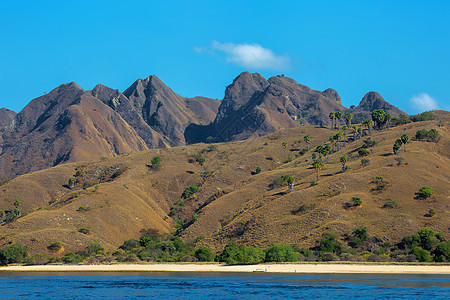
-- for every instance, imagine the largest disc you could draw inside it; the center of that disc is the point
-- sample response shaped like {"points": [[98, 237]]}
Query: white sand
{"points": [[272, 268]]}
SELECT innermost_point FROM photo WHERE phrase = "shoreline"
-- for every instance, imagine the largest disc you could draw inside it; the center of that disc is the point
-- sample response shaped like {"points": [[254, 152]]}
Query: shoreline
{"points": [[300, 268]]}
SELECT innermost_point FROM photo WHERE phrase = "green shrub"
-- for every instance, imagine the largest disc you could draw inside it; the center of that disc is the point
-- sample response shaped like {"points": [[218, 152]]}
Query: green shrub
{"points": [[93, 248], [428, 238], [280, 253], [189, 191], [329, 243], [55, 246], [431, 212], [85, 230], [72, 258], [278, 182], [233, 254], [391, 203], [204, 254], [314, 183], [425, 116], [442, 252], [40, 259], [361, 232], [363, 152], [14, 254], [356, 201], [425, 192], [422, 255]]}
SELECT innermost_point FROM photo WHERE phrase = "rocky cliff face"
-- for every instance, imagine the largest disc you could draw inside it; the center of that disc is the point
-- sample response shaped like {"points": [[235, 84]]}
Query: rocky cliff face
{"points": [[6, 117], [167, 112], [253, 106], [370, 102], [70, 124]]}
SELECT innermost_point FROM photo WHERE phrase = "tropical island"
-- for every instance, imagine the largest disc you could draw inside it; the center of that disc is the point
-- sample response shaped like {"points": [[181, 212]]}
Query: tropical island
{"points": [[254, 179]]}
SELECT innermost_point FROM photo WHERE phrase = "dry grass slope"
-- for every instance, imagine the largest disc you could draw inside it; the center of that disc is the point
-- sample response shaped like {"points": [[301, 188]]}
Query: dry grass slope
{"points": [[244, 209]]}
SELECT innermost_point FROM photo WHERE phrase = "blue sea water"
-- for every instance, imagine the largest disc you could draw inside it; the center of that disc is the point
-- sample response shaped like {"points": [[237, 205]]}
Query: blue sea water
{"points": [[167, 285]]}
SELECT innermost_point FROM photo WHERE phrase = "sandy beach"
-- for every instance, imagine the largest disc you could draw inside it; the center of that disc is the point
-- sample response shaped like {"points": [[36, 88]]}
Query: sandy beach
{"points": [[269, 268]]}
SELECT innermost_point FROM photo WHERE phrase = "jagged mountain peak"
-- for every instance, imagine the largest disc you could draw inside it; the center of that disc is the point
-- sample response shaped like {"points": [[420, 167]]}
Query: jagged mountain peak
{"points": [[332, 94]]}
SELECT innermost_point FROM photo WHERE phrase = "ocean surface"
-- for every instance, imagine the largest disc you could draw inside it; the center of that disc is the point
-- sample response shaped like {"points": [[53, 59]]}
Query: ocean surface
{"points": [[164, 285]]}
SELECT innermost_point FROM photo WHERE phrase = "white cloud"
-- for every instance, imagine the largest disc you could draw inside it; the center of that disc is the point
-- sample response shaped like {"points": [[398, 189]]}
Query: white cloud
{"points": [[423, 102], [251, 56]]}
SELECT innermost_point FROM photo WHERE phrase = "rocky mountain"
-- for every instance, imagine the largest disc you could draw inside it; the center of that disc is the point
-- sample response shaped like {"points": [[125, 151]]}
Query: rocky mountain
{"points": [[67, 124], [6, 116], [167, 112], [370, 102], [70, 124], [254, 106]]}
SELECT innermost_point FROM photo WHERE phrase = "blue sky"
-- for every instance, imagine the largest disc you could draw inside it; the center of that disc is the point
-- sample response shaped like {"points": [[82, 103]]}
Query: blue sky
{"points": [[400, 49]]}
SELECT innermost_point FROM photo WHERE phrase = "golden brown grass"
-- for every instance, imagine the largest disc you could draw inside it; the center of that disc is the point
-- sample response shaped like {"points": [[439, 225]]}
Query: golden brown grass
{"points": [[248, 211]]}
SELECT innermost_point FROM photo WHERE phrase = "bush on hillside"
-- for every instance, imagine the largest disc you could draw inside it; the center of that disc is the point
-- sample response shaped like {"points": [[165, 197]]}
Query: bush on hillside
{"points": [[425, 192]]}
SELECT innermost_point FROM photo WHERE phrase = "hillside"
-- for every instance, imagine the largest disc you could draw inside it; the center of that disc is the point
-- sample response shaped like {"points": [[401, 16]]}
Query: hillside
{"points": [[234, 203]]}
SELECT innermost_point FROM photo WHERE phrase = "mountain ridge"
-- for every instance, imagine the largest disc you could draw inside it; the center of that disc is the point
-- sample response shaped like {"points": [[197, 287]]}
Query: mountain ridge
{"points": [[150, 114]]}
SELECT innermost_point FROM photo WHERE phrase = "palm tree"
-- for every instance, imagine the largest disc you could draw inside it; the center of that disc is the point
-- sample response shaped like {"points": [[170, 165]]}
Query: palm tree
{"points": [[379, 117], [344, 129], [331, 139], [17, 203], [405, 140], [2, 212], [355, 130], [339, 135], [201, 161], [338, 116], [71, 183], [317, 164], [325, 153], [290, 181], [343, 161], [368, 123], [359, 132], [307, 139], [319, 150], [336, 142], [348, 118], [284, 146], [388, 118], [396, 146], [331, 116]]}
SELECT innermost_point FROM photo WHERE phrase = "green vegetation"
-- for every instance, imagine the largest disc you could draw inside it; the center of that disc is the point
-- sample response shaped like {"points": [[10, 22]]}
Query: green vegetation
{"points": [[204, 254], [307, 139], [356, 201], [405, 140], [258, 169], [55, 246], [190, 191], [156, 163], [425, 192], [391, 203], [233, 254], [379, 118], [290, 182], [13, 254], [280, 253], [363, 152], [430, 136], [71, 183]]}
